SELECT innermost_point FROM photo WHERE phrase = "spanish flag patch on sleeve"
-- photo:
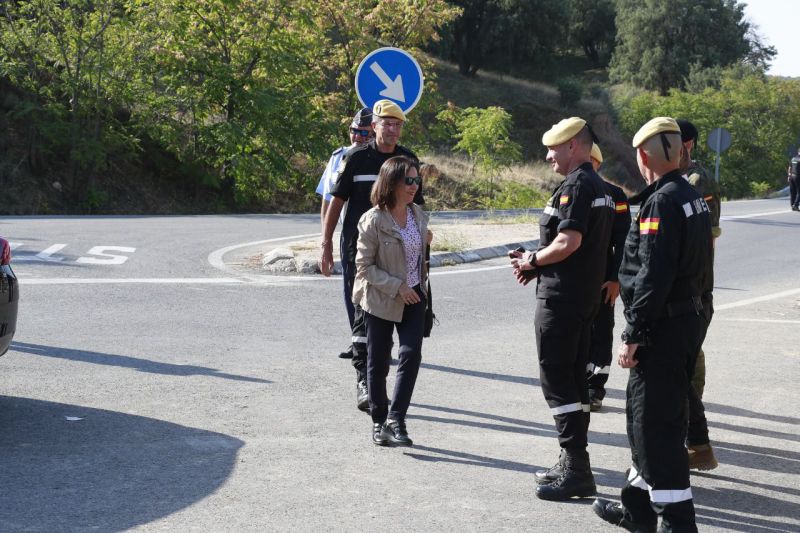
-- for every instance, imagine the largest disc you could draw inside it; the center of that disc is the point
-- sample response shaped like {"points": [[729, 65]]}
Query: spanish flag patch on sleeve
{"points": [[621, 207], [564, 199], [648, 226]]}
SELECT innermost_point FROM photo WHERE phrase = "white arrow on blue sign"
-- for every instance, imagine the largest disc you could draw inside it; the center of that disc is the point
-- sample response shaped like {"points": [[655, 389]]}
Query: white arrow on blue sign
{"points": [[389, 73]]}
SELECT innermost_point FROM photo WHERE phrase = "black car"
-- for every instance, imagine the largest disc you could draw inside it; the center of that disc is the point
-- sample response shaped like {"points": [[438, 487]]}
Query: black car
{"points": [[9, 296]]}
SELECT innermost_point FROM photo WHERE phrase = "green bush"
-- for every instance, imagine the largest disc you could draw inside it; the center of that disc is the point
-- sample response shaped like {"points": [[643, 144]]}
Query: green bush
{"points": [[570, 91], [760, 189], [484, 135]]}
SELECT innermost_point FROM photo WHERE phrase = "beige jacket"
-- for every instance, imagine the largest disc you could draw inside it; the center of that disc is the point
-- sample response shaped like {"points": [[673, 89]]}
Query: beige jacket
{"points": [[381, 263]]}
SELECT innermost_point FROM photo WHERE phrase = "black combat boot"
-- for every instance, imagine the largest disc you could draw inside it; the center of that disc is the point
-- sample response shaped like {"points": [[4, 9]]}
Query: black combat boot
{"points": [[614, 513], [552, 474], [378, 436], [576, 481]]}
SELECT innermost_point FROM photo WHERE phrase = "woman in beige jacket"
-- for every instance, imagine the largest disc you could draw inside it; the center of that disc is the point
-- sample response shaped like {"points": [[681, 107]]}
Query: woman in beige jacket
{"points": [[390, 286]]}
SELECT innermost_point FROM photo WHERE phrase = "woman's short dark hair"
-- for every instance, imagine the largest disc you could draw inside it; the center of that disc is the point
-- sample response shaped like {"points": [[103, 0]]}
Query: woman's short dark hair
{"points": [[393, 171]]}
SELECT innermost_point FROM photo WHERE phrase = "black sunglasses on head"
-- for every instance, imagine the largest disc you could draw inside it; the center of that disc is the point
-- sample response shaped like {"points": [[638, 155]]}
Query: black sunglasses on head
{"points": [[410, 180], [359, 132]]}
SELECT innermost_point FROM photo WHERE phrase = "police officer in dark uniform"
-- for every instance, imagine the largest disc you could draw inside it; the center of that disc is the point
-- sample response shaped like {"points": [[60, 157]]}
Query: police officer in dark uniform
{"points": [[794, 182], [574, 230], [602, 336], [666, 279], [357, 173]]}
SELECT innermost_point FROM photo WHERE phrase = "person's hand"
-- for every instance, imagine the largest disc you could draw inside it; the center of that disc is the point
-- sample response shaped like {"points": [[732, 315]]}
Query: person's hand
{"points": [[520, 260], [430, 237], [626, 355], [326, 259], [612, 291], [408, 295], [524, 276]]}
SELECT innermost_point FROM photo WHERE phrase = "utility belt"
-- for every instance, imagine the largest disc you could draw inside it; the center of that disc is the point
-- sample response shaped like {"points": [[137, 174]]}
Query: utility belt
{"points": [[696, 305]]}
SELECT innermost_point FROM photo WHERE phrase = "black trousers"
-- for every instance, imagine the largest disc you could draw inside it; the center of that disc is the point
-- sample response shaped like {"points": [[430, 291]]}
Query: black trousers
{"points": [[794, 192], [656, 409], [562, 341], [379, 358], [358, 326], [698, 425], [601, 341]]}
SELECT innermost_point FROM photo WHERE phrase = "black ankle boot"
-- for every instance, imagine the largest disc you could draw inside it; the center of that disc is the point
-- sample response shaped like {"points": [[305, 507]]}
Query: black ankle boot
{"points": [[553, 473], [576, 481], [614, 513], [395, 432], [377, 435]]}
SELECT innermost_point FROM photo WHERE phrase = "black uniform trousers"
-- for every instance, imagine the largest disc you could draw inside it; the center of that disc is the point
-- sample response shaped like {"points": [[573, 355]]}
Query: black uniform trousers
{"points": [[794, 191], [355, 314], [562, 341], [656, 408], [379, 358], [600, 346]]}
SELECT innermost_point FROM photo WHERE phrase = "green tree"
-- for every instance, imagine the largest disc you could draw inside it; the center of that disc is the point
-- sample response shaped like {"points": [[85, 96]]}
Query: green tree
{"points": [[508, 33], [62, 55], [658, 42], [592, 28], [760, 112]]}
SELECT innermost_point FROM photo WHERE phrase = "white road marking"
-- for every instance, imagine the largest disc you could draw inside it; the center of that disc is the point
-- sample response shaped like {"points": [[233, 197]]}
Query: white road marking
{"points": [[47, 255], [467, 270], [114, 281], [759, 320], [105, 258], [766, 297], [215, 257], [754, 215]]}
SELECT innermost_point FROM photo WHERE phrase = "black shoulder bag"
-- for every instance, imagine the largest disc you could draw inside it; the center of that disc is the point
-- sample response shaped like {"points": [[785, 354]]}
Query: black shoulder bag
{"points": [[430, 316]]}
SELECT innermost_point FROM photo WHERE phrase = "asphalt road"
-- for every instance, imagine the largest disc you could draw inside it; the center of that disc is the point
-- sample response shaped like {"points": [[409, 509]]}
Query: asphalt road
{"points": [[155, 385]]}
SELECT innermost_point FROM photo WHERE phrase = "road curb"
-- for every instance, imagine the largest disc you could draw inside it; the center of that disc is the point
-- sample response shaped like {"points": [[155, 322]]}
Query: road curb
{"points": [[440, 259]]}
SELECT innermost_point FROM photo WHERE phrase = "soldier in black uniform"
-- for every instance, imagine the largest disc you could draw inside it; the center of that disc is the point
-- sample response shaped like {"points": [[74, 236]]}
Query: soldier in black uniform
{"points": [[794, 182], [570, 263], [602, 336], [356, 174], [698, 444], [666, 279]]}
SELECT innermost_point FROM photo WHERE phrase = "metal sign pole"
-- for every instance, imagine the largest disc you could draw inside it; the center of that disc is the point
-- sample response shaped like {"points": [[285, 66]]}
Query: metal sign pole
{"points": [[716, 169]]}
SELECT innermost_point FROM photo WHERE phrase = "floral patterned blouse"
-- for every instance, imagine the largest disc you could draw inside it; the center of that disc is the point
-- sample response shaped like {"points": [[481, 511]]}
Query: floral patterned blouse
{"points": [[412, 242]]}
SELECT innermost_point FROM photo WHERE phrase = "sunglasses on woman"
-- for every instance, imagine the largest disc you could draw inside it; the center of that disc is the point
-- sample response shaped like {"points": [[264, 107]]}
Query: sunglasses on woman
{"points": [[411, 180], [359, 132]]}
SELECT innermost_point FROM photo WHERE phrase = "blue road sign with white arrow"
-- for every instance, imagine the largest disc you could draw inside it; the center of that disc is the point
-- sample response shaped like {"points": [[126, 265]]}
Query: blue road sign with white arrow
{"points": [[389, 73]]}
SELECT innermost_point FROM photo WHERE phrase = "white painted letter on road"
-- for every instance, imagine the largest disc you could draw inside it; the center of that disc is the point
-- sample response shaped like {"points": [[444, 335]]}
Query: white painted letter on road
{"points": [[106, 258]]}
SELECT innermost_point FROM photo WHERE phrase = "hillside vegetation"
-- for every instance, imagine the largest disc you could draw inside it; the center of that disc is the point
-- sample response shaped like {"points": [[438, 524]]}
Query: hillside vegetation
{"points": [[129, 106]]}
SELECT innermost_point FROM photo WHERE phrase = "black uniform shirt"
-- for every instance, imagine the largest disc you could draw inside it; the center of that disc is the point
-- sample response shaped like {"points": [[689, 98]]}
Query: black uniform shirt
{"points": [[619, 231], [668, 253], [355, 176], [579, 203], [794, 166]]}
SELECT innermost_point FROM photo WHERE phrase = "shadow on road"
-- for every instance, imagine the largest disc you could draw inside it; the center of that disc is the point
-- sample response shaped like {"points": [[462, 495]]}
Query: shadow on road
{"points": [[107, 472], [478, 374], [511, 425], [761, 222], [142, 365], [721, 507]]}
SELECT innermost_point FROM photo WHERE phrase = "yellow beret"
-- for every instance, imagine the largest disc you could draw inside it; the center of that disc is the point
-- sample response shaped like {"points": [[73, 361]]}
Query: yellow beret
{"points": [[563, 131], [387, 108], [596, 153], [653, 127]]}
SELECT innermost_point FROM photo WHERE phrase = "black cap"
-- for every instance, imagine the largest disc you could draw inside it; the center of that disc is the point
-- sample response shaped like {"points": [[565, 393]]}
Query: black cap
{"points": [[362, 119], [688, 131]]}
